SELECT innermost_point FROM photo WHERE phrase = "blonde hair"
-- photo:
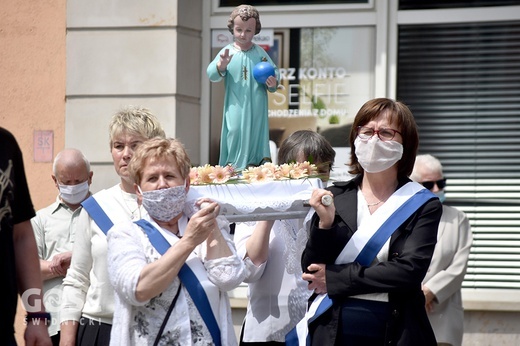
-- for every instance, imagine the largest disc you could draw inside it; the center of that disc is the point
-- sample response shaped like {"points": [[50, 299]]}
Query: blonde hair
{"points": [[155, 149], [136, 120]]}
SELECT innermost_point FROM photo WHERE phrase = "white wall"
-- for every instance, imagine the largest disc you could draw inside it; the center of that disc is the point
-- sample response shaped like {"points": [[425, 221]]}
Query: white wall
{"points": [[132, 52]]}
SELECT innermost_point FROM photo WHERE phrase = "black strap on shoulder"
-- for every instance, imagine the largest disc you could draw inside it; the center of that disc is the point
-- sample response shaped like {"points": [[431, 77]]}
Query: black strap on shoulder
{"points": [[170, 309]]}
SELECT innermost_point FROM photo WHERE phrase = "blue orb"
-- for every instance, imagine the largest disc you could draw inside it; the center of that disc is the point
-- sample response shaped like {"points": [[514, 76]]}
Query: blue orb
{"points": [[262, 71]]}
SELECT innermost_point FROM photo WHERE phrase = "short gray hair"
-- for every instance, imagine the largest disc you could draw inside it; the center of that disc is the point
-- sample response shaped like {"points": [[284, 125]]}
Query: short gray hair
{"points": [[73, 155], [427, 161]]}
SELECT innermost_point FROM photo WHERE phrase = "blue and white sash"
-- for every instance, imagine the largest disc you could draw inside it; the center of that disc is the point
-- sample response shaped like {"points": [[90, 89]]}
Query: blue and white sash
{"points": [[188, 279], [97, 214], [364, 246]]}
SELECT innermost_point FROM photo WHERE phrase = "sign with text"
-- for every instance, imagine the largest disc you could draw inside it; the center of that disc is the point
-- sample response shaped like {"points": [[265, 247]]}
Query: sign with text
{"points": [[43, 149]]}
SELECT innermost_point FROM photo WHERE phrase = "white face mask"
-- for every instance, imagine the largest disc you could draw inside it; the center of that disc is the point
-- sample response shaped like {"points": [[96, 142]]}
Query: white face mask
{"points": [[441, 195], [375, 155], [164, 204], [74, 194]]}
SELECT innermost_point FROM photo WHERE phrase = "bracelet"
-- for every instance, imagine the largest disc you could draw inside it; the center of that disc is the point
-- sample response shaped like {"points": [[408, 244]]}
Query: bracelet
{"points": [[221, 74], [38, 316]]}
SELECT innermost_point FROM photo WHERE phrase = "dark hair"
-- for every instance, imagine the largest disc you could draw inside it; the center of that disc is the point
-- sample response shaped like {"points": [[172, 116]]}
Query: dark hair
{"points": [[244, 12], [399, 112], [314, 147]]}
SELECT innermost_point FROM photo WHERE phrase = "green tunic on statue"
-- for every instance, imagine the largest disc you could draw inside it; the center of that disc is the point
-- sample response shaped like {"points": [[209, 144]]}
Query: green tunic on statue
{"points": [[245, 127]]}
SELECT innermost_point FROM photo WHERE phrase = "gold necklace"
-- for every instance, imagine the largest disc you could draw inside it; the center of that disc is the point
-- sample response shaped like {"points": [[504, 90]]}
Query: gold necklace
{"points": [[374, 204]]}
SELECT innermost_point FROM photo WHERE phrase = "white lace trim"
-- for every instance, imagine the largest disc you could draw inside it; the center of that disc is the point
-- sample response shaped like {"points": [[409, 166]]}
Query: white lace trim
{"points": [[258, 198]]}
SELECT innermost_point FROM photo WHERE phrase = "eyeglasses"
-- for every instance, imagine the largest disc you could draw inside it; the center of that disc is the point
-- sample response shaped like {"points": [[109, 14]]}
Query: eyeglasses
{"points": [[384, 134], [441, 184]]}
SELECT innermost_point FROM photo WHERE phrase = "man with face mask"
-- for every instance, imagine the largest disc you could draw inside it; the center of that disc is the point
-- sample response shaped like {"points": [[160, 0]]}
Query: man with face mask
{"points": [[441, 285], [52, 228]]}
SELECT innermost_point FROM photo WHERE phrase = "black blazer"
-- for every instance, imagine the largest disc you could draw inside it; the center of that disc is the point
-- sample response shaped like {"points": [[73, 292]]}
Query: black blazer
{"points": [[411, 250]]}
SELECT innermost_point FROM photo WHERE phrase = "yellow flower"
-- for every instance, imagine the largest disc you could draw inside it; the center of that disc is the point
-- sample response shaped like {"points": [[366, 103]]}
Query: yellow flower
{"points": [[220, 175], [246, 175], [270, 166], [262, 174], [298, 172], [204, 174], [307, 167], [194, 176], [284, 171], [208, 174]]}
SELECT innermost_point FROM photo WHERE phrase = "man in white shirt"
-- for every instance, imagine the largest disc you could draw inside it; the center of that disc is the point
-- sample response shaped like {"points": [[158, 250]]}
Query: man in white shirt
{"points": [[53, 229]]}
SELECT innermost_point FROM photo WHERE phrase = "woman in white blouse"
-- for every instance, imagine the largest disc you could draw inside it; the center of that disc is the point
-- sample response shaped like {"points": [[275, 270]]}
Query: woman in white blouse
{"points": [[87, 304], [271, 251], [171, 269]]}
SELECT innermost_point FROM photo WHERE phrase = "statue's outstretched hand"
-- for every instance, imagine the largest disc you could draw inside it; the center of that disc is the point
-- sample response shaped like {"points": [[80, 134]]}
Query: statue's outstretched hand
{"points": [[225, 58]]}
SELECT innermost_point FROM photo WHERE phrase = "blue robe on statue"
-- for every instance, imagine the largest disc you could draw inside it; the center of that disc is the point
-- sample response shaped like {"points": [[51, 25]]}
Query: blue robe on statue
{"points": [[245, 127]]}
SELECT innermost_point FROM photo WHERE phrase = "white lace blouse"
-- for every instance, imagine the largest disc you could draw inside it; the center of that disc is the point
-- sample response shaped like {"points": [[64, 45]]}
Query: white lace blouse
{"points": [[137, 323], [277, 293]]}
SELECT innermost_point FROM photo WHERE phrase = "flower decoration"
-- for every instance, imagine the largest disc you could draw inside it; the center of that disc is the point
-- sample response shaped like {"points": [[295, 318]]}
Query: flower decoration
{"points": [[205, 175]]}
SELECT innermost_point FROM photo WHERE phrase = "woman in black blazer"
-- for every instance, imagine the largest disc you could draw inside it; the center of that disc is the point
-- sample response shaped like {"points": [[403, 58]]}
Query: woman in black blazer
{"points": [[369, 251]]}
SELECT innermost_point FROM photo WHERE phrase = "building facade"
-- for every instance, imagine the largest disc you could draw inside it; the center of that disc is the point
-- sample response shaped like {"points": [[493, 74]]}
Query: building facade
{"points": [[455, 63]]}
